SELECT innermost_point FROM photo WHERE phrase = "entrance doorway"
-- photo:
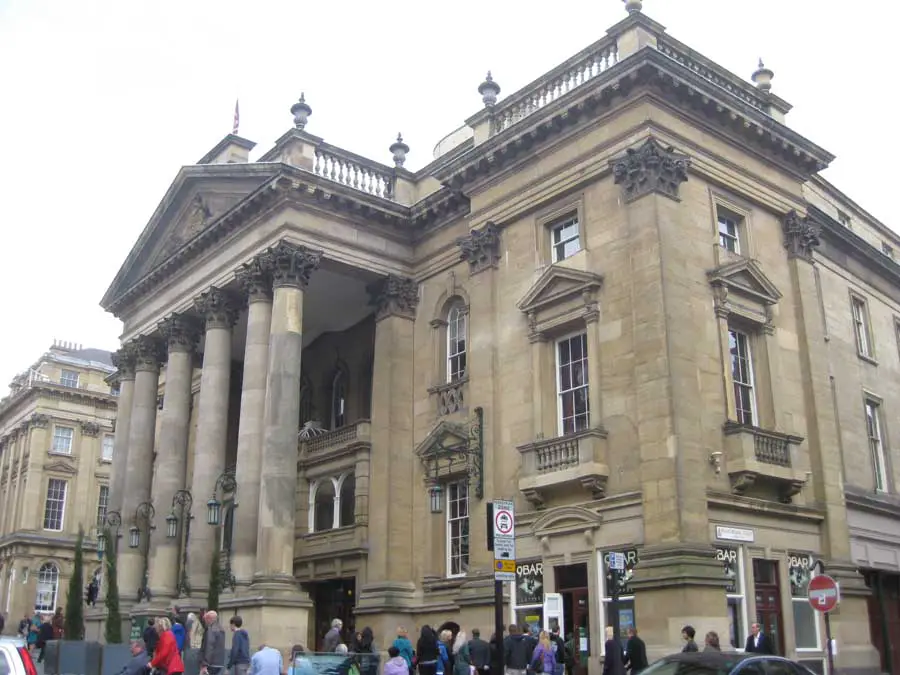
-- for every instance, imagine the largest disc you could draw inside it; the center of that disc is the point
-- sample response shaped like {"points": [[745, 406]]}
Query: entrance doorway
{"points": [[768, 601], [333, 599], [572, 585]]}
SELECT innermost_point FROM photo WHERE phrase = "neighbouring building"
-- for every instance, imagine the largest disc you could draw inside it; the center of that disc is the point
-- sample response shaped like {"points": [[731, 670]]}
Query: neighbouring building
{"points": [[56, 452], [622, 297]]}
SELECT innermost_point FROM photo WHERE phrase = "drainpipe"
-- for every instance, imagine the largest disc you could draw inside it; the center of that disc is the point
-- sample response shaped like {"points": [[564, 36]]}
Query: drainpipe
{"points": [[885, 634]]}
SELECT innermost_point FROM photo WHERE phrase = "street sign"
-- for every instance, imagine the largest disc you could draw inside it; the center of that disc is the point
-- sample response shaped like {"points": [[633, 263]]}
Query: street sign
{"points": [[617, 561], [823, 593], [504, 531]]}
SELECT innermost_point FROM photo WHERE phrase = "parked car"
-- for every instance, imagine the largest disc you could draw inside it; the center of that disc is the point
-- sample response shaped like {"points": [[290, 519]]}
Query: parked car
{"points": [[14, 657], [725, 663]]}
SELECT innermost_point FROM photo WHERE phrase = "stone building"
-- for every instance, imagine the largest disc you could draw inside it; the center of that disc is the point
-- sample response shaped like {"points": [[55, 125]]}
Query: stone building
{"points": [[56, 452], [622, 297]]}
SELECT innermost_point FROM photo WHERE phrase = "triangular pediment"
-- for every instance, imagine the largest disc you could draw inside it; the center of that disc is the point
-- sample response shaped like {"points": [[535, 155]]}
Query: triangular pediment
{"points": [[556, 284], [445, 437], [198, 197], [60, 467], [745, 277]]}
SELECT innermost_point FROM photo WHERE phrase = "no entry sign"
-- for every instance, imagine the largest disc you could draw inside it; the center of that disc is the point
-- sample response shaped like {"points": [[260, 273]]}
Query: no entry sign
{"points": [[823, 593]]}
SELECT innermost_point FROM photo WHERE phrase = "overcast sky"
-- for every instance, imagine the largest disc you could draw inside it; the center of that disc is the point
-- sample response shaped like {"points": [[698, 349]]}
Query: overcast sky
{"points": [[103, 101]]}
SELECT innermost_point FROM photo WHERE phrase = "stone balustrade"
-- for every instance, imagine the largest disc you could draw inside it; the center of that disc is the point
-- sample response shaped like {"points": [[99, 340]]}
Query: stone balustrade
{"points": [[354, 171], [323, 446], [569, 75], [574, 460]]}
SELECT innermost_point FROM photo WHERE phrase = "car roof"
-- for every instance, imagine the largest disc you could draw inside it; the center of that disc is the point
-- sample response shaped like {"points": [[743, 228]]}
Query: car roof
{"points": [[12, 639], [720, 660]]}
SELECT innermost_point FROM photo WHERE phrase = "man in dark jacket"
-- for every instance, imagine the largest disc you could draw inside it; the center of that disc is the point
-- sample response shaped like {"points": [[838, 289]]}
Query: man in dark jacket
{"points": [[635, 652], [479, 653], [687, 634], [212, 660], [239, 657], [558, 645], [139, 660], [758, 642], [516, 651], [151, 637]]}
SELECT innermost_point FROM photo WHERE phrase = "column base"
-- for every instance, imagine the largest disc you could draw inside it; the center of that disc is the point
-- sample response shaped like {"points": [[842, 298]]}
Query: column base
{"points": [[677, 585], [274, 614]]}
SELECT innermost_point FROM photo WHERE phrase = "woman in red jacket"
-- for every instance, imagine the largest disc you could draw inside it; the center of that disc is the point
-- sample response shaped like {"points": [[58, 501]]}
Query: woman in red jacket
{"points": [[166, 656]]}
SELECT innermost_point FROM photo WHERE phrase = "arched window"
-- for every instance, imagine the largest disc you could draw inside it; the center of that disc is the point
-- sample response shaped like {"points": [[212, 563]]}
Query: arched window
{"points": [[347, 501], [457, 342], [47, 588], [338, 399], [323, 505], [306, 407]]}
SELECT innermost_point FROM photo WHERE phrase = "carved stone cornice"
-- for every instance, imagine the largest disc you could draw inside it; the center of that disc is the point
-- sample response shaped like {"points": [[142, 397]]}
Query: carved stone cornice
{"points": [[124, 359], [149, 353], [255, 281], [480, 248], [649, 169], [291, 265], [394, 296], [217, 307], [801, 235], [90, 428], [39, 421], [180, 332]]}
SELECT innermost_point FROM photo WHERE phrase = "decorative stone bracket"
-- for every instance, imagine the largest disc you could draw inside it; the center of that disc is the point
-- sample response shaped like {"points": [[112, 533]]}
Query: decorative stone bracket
{"points": [[650, 168], [759, 458], [801, 236]]}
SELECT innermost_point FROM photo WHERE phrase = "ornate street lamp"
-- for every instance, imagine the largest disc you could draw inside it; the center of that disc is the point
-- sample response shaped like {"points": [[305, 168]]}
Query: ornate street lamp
{"points": [[436, 497], [101, 542], [143, 519], [184, 501], [458, 450], [227, 483]]}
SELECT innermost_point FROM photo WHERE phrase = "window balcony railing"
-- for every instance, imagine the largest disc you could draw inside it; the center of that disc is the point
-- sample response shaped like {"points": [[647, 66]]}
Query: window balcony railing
{"points": [[450, 396], [558, 464], [756, 456], [326, 445]]}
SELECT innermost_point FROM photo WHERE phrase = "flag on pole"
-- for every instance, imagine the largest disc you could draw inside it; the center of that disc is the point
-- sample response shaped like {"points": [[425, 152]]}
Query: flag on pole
{"points": [[237, 118]]}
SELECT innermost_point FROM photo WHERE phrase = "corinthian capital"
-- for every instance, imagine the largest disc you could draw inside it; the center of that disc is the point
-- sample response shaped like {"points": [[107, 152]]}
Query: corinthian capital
{"points": [[149, 353], [124, 360], [480, 248], [180, 332], [801, 236], [650, 168], [290, 264], [255, 280], [217, 307], [394, 296]]}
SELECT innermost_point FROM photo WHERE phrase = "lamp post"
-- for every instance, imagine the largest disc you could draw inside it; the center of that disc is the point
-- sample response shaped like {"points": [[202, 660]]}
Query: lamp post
{"points": [[113, 520], [184, 502], [227, 483], [143, 520]]}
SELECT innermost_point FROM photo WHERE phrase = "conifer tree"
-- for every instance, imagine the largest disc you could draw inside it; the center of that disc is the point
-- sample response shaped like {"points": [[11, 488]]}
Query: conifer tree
{"points": [[113, 630], [74, 619]]}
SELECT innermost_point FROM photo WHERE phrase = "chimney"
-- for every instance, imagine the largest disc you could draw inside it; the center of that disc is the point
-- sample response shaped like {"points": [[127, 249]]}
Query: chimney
{"points": [[230, 150]]}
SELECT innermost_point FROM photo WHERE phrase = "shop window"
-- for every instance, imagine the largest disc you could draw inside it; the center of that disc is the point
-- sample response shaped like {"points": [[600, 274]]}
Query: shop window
{"points": [[733, 570], [806, 619], [528, 593]]}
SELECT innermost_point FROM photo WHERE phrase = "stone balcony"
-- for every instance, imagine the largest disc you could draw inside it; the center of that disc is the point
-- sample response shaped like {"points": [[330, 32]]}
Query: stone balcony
{"points": [[331, 553], [758, 457], [329, 446], [557, 465]]}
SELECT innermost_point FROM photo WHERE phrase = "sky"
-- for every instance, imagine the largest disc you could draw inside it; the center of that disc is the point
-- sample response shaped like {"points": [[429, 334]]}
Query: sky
{"points": [[101, 102]]}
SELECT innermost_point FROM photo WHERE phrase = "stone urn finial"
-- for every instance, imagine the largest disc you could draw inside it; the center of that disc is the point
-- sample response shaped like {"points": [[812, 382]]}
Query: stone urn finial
{"points": [[489, 91], [301, 112], [399, 150], [633, 6], [762, 78]]}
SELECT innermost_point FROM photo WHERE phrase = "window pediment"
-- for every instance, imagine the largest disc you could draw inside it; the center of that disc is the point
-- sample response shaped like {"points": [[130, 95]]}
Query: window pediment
{"points": [[445, 438], [559, 296], [742, 288], [60, 468], [566, 519]]}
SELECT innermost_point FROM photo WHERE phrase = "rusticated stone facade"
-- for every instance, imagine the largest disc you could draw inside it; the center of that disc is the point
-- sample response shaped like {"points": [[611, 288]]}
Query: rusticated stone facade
{"points": [[623, 318]]}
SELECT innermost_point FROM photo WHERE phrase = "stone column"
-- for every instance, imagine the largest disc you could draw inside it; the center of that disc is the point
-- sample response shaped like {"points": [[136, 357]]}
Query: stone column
{"points": [[291, 267], [390, 545], [124, 361], [850, 624], [256, 282], [148, 354], [218, 310], [180, 333]]}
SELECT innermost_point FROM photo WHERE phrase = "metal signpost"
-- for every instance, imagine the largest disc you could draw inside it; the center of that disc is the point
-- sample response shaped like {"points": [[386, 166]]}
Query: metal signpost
{"points": [[824, 595], [501, 539], [616, 567]]}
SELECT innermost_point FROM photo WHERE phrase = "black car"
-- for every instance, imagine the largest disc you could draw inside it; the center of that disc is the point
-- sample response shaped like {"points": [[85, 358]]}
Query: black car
{"points": [[725, 663]]}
